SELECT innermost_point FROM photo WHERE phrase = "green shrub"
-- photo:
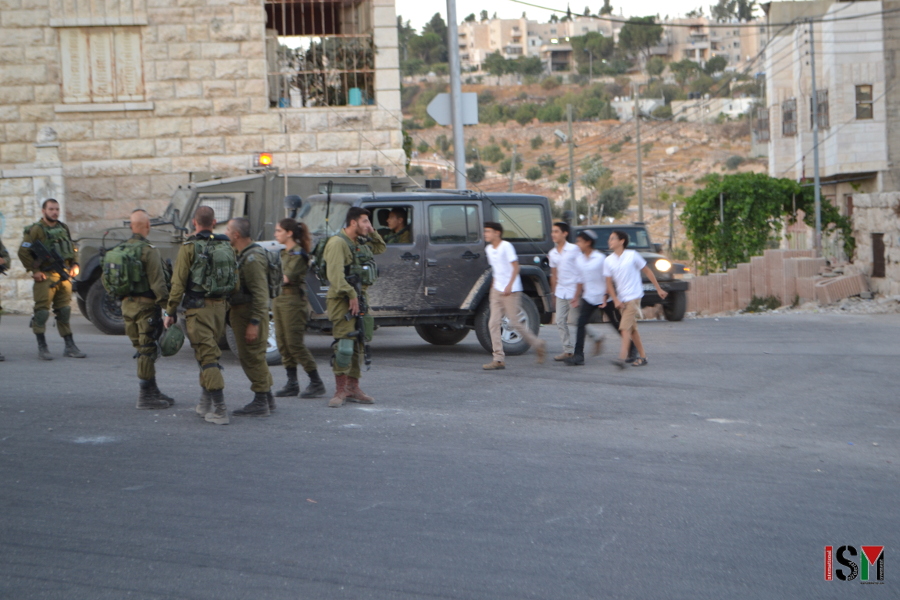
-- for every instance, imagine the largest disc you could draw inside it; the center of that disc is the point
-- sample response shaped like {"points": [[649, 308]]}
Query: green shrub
{"points": [[551, 83], [534, 173], [758, 304], [415, 170], [734, 162], [536, 142], [492, 153], [663, 112], [423, 147], [476, 173]]}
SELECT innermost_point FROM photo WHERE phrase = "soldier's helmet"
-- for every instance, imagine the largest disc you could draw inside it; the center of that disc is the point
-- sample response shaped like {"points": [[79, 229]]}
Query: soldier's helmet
{"points": [[171, 341]]}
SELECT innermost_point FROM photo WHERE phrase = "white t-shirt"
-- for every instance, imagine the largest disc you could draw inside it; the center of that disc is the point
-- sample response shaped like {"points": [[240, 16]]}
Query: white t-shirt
{"points": [[566, 272], [590, 275], [501, 259], [625, 271]]}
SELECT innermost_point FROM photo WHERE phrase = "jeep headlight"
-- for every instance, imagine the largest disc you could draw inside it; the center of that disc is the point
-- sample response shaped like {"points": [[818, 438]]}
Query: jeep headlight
{"points": [[663, 265]]}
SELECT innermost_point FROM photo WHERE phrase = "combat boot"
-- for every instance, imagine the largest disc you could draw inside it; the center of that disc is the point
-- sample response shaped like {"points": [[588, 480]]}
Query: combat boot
{"points": [[218, 414], [147, 400], [316, 387], [72, 350], [340, 395], [354, 394], [159, 394], [205, 404], [292, 387], [271, 400], [43, 351], [259, 407]]}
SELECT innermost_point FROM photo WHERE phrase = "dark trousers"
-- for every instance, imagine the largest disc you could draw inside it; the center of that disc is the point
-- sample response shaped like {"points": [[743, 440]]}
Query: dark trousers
{"points": [[584, 317]]}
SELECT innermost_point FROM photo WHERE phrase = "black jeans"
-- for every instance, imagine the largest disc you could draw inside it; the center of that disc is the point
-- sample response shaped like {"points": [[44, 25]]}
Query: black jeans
{"points": [[584, 317]]}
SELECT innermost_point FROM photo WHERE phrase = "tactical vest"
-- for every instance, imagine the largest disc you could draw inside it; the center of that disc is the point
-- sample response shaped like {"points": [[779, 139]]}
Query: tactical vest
{"points": [[363, 264], [274, 273], [123, 272], [212, 274], [58, 238]]}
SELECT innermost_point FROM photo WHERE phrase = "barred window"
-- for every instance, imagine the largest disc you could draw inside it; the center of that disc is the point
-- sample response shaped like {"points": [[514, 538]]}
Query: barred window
{"points": [[762, 124], [320, 53], [822, 112], [789, 117], [864, 102]]}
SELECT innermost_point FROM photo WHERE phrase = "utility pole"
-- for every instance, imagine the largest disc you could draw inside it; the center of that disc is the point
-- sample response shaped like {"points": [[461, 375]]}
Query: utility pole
{"points": [[571, 164], [671, 226], [512, 170], [815, 128], [637, 136], [459, 145]]}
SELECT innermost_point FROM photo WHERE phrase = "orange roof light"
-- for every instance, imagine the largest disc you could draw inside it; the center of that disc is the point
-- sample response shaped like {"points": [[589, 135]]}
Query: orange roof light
{"points": [[264, 159]]}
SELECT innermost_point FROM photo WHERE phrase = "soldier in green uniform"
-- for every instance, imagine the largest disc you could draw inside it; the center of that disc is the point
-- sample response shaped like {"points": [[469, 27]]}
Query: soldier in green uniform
{"points": [[291, 310], [50, 291], [4, 266], [201, 277], [347, 254], [143, 305], [397, 231], [249, 317]]}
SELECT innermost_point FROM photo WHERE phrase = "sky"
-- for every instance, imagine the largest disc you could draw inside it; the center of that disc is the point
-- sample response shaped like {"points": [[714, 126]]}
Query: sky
{"points": [[419, 12]]}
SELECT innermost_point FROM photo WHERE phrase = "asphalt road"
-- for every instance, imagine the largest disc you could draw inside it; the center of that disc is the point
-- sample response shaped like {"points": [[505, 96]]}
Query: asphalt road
{"points": [[719, 471]]}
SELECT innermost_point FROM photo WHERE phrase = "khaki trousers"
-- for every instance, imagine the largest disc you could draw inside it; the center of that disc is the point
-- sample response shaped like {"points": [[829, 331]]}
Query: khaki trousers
{"points": [[252, 356], [340, 328], [137, 313], [509, 307], [291, 314], [58, 297], [565, 315], [205, 327]]}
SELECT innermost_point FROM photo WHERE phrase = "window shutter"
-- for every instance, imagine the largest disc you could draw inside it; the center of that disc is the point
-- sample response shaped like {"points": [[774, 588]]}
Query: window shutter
{"points": [[100, 45], [75, 65], [129, 75]]}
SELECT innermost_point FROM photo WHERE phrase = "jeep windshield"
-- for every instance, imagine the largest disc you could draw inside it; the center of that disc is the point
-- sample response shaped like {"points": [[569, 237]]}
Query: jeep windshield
{"points": [[179, 202], [637, 237], [313, 214]]}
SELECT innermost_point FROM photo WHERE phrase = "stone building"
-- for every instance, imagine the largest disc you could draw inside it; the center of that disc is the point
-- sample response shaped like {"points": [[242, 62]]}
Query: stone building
{"points": [[138, 96]]}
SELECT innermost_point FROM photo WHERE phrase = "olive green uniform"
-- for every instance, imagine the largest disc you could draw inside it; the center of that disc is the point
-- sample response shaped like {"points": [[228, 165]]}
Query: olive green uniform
{"points": [[52, 292], [4, 267], [404, 236], [291, 310], [141, 311], [204, 317], [337, 256], [250, 306]]}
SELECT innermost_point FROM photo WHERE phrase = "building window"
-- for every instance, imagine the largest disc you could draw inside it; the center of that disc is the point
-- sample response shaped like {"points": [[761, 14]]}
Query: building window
{"points": [[101, 64], [822, 112], [789, 117], [864, 102], [320, 53], [762, 124]]}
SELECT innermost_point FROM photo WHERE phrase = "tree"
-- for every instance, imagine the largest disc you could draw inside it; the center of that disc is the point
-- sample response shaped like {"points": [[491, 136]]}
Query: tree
{"points": [[745, 10], [756, 207], [684, 70], [716, 64], [695, 14], [639, 35], [655, 66], [534, 173], [607, 8], [476, 173], [428, 47], [615, 200], [436, 25], [492, 153], [733, 10], [554, 18], [587, 11], [548, 163], [595, 175], [536, 142], [592, 46], [470, 18], [506, 165], [484, 15], [495, 64]]}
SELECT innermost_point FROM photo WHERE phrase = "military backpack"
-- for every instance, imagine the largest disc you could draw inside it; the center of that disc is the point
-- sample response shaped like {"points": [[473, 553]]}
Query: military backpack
{"points": [[123, 272], [213, 270], [274, 273], [363, 263]]}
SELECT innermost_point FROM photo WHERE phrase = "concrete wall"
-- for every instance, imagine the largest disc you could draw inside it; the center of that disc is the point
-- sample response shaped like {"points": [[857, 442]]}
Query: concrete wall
{"points": [[205, 106]]}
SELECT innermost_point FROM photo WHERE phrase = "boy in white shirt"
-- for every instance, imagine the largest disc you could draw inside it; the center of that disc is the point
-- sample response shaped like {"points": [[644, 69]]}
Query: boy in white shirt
{"points": [[504, 298], [625, 288], [563, 281]]}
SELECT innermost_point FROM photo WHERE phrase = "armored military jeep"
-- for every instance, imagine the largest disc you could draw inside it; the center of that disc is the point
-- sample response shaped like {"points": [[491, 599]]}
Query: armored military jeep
{"points": [[672, 277], [439, 280]]}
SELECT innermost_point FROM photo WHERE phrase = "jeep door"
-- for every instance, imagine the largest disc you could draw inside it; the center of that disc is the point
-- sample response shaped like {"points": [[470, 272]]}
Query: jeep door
{"points": [[454, 257], [400, 288]]}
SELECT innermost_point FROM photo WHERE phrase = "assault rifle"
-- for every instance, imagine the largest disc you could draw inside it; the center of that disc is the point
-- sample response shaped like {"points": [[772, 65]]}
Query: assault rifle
{"points": [[360, 333], [43, 255]]}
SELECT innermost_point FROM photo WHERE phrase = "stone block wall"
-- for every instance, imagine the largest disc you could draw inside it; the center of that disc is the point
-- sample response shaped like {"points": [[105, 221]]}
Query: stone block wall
{"points": [[878, 213], [205, 106]]}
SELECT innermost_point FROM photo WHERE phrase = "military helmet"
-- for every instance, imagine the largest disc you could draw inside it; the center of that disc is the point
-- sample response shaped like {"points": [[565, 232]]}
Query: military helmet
{"points": [[171, 341]]}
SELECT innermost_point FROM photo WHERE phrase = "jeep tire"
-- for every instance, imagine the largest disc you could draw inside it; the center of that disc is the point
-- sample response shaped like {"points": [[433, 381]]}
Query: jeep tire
{"points": [[273, 356], [675, 305], [513, 344], [104, 311], [441, 335]]}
